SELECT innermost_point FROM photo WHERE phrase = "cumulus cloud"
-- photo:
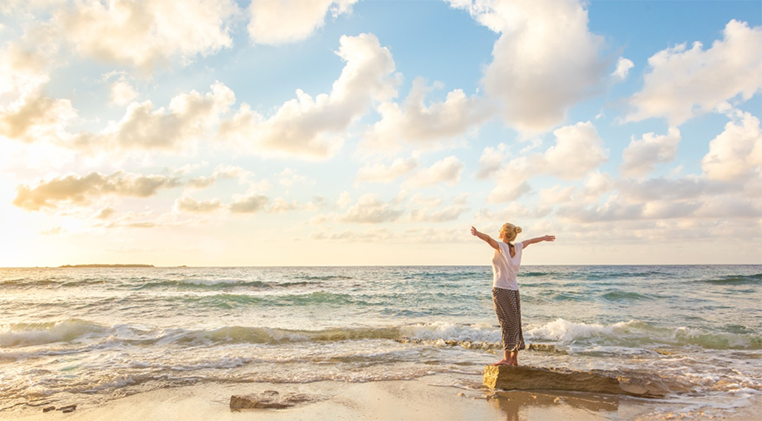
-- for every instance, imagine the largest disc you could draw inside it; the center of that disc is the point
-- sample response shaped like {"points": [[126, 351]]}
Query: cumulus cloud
{"points": [[190, 205], [122, 92], [557, 194], [506, 192], [642, 154], [447, 171], [36, 117], [281, 21], [380, 173], [578, 150], [78, 189], [425, 126], [189, 117], [545, 61], [281, 205], [684, 82], [736, 153], [370, 210], [313, 128], [146, 34], [623, 67], [491, 161], [251, 203], [105, 213], [344, 200]]}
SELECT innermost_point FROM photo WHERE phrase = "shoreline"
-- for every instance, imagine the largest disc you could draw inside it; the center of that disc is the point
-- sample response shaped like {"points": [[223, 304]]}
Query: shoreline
{"points": [[425, 398]]}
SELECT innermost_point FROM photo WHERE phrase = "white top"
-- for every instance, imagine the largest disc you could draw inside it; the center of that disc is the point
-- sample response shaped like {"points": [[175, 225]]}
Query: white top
{"points": [[505, 268]]}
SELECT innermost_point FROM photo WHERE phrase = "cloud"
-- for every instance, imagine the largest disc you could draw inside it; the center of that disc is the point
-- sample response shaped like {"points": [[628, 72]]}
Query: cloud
{"points": [[148, 34], [189, 117], [280, 205], [661, 188], [344, 200], [557, 194], [122, 92], [282, 21], [578, 150], [105, 213], [251, 203], [641, 155], [52, 231], [36, 117], [288, 178], [736, 153], [77, 189], [623, 67], [427, 214], [685, 83], [447, 170], [190, 205], [506, 192], [491, 161], [313, 128], [426, 126], [545, 61], [370, 210], [379, 173]]}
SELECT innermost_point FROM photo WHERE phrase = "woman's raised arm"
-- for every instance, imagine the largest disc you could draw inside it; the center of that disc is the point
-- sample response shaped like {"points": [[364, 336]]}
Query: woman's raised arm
{"points": [[485, 237], [526, 243]]}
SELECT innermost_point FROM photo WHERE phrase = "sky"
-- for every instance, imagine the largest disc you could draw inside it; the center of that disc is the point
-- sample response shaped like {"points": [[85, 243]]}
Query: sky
{"points": [[362, 132]]}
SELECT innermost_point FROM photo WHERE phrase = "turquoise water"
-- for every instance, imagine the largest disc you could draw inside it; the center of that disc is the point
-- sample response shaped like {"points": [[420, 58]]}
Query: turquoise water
{"points": [[100, 333]]}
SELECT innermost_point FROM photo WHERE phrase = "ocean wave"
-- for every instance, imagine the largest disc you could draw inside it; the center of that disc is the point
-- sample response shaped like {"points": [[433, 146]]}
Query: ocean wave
{"points": [[636, 333], [736, 280], [624, 296], [25, 334]]}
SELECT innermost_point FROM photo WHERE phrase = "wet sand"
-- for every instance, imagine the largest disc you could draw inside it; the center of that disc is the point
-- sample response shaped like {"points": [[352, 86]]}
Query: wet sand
{"points": [[428, 398]]}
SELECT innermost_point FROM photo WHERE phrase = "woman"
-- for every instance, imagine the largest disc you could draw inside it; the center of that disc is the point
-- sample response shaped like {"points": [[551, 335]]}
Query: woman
{"points": [[505, 288]]}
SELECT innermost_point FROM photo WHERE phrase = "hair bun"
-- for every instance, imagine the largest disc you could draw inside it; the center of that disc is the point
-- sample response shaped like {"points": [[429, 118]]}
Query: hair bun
{"points": [[518, 230]]}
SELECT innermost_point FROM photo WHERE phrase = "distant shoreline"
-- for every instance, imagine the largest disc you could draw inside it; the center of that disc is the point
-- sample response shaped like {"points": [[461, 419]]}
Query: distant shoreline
{"points": [[98, 265]]}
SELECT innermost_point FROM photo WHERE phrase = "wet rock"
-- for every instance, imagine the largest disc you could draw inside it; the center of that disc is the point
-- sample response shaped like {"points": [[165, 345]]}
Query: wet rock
{"points": [[269, 399], [535, 378], [546, 348]]}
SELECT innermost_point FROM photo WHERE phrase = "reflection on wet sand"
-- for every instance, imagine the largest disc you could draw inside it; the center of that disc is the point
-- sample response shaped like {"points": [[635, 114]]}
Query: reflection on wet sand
{"points": [[523, 405]]}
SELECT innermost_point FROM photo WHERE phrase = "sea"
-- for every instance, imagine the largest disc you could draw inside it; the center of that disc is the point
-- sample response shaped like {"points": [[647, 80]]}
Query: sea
{"points": [[94, 334]]}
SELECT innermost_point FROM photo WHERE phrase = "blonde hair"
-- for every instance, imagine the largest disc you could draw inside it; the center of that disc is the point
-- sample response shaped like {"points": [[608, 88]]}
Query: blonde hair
{"points": [[509, 231]]}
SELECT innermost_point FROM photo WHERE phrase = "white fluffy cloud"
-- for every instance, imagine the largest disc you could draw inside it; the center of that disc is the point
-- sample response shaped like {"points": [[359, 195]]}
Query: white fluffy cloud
{"points": [[425, 126], [380, 173], [370, 210], [251, 203], [684, 83], [281, 21], [314, 128], [736, 153], [36, 117], [78, 189], [545, 61], [149, 33], [190, 205], [447, 171], [189, 117], [577, 151], [122, 92], [623, 67], [642, 154]]}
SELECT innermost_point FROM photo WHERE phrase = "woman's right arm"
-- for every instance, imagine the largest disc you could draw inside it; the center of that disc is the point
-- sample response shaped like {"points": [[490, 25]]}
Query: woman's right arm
{"points": [[485, 238]]}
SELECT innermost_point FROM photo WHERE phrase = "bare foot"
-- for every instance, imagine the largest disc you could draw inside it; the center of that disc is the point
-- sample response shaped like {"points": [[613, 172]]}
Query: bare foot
{"points": [[502, 362]]}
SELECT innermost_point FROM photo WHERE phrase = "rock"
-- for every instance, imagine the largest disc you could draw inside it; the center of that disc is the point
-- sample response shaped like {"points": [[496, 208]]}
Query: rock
{"points": [[546, 348], [269, 399], [48, 409], [536, 378], [68, 408]]}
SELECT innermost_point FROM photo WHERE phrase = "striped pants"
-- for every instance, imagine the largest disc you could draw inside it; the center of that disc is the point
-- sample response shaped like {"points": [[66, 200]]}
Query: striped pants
{"points": [[508, 310]]}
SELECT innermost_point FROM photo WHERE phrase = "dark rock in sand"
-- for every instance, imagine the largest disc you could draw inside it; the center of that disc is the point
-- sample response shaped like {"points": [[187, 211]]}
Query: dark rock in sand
{"points": [[48, 409], [67, 409], [268, 399], [535, 378]]}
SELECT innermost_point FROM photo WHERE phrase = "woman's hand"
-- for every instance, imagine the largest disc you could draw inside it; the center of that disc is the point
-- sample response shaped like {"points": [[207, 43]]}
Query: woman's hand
{"points": [[549, 238]]}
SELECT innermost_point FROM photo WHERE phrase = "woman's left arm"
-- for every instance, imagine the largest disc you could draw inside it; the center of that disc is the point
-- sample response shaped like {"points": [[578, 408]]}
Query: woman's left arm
{"points": [[526, 243]]}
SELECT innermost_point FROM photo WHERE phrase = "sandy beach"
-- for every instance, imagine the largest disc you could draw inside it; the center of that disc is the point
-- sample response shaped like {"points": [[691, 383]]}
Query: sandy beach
{"points": [[427, 398]]}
